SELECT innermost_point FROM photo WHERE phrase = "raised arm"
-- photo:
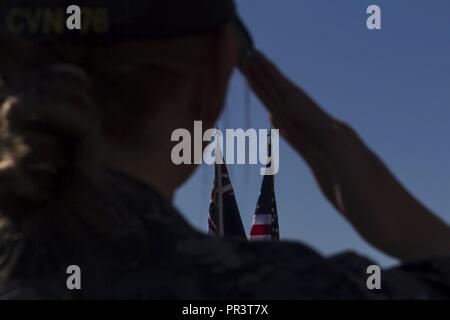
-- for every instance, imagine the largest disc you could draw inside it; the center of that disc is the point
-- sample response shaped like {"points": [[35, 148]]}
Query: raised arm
{"points": [[350, 175]]}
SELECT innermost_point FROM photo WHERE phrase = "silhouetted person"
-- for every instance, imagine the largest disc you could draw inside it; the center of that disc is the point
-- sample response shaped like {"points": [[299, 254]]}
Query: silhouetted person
{"points": [[86, 176]]}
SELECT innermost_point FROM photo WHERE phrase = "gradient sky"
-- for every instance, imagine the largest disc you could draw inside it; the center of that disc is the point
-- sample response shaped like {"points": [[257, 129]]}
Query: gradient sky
{"points": [[391, 85]]}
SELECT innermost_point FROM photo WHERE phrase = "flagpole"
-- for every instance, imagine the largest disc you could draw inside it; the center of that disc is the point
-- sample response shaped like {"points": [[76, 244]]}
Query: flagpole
{"points": [[219, 187], [219, 190], [276, 237], [269, 149]]}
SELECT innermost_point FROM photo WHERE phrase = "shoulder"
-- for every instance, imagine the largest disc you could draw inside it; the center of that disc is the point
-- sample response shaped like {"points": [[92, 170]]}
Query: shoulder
{"points": [[424, 279], [219, 268]]}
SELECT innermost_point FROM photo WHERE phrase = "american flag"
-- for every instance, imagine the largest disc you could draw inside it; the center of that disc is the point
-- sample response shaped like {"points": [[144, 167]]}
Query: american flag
{"points": [[224, 219], [265, 222]]}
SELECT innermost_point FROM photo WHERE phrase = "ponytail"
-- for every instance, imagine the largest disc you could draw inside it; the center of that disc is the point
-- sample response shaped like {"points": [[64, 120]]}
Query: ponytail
{"points": [[48, 126]]}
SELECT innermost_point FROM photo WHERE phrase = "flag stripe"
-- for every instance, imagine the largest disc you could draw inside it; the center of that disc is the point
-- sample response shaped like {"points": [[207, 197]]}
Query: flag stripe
{"points": [[262, 219], [227, 188], [259, 229], [261, 237]]}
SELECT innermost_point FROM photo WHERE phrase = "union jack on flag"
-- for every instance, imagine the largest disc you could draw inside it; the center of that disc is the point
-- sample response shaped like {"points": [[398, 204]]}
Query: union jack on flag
{"points": [[265, 222], [224, 219]]}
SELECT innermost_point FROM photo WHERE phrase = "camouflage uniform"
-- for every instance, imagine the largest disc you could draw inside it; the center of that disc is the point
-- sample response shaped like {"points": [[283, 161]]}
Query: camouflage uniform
{"points": [[148, 251]]}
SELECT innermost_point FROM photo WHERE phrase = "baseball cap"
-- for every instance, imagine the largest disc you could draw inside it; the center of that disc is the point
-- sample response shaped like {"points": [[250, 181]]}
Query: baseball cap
{"points": [[115, 20]]}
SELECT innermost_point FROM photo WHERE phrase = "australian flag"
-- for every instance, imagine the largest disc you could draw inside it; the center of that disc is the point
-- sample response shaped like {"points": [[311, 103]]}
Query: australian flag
{"points": [[224, 219], [265, 222]]}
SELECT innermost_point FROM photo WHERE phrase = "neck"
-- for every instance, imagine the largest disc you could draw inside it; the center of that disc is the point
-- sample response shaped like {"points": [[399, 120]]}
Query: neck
{"points": [[153, 168]]}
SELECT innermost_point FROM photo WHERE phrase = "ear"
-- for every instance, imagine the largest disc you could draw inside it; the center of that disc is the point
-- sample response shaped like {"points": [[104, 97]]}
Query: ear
{"points": [[214, 81]]}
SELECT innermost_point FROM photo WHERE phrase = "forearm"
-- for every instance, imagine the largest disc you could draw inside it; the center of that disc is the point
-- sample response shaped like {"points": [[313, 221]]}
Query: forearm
{"points": [[379, 207], [350, 175]]}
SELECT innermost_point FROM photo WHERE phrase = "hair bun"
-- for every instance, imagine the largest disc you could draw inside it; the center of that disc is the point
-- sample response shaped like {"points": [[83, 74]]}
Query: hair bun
{"points": [[48, 124]]}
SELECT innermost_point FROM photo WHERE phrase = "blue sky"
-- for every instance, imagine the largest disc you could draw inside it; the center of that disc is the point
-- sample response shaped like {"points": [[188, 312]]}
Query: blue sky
{"points": [[392, 86]]}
